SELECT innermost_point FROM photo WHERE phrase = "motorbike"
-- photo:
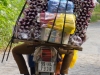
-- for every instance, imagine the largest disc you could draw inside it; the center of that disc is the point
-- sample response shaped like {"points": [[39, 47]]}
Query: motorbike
{"points": [[47, 55]]}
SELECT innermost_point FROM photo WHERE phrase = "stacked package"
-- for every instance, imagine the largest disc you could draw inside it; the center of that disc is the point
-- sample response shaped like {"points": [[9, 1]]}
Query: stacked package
{"points": [[38, 17], [55, 15]]}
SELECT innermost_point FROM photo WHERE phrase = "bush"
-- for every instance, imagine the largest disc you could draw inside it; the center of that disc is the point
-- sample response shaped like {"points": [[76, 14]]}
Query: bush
{"points": [[9, 11], [98, 1], [96, 14]]}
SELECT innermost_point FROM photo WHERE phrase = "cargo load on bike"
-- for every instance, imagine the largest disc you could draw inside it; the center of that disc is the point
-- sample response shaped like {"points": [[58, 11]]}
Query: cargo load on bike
{"points": [[51, 24]]}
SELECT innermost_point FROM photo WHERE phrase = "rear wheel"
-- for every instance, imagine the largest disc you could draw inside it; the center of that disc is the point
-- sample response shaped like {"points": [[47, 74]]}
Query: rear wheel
{"points": [[45, 73]]}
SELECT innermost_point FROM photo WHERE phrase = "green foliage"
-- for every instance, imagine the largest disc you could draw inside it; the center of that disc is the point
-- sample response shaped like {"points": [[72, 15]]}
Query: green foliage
{"points": [[96, 14], [98, 1], [9, 11]]}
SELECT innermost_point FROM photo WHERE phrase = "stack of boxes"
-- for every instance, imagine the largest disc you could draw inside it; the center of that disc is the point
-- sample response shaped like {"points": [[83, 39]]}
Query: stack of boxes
{"points": [[47, 20], [55, 36]]}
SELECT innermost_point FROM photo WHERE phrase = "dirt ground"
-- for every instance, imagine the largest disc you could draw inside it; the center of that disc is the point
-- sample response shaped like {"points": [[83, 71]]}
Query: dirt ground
{"points": [[88, 62]]}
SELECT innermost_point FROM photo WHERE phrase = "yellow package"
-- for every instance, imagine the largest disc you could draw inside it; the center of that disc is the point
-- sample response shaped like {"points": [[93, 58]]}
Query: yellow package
{"points": [[74, 58], [69, 23]]}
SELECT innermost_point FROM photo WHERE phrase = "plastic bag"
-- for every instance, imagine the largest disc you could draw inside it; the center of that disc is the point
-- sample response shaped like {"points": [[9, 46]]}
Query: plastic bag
{"points": [[53, 6], [58, 67], [46, 19], [74, 58], [69, 25]]}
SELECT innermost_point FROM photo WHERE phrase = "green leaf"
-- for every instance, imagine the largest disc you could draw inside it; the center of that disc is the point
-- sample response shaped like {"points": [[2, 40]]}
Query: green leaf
{"points": [[9, 11]]}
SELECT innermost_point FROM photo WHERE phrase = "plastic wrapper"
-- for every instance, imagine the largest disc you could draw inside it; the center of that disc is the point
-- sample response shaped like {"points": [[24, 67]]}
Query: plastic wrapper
{"points": [[46, 19], [53, 6], [55, 36]]}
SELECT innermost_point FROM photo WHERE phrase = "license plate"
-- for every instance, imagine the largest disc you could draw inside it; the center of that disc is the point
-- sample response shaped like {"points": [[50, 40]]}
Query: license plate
{"points": [[45, 66]]}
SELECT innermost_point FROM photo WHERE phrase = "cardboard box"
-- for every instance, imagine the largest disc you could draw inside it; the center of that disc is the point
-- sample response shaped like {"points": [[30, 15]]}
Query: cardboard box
{"points": [[55, 36]]}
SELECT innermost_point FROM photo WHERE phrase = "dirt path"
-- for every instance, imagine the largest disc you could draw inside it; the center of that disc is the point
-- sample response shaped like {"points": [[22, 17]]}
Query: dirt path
{"points": [[88, 62]]}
